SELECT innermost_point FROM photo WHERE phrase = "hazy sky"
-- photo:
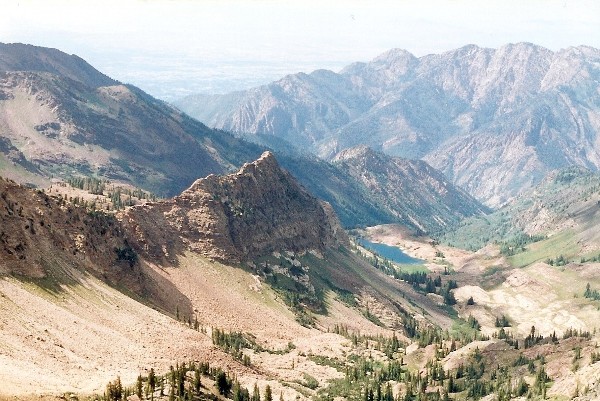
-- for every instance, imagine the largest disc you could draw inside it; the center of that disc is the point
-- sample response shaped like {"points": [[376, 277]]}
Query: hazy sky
{"points": [[174, 47]]}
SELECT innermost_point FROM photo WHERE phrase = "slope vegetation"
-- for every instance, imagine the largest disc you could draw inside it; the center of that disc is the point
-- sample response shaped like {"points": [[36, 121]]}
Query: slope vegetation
{"points": [[97, 295], [559, 216]]}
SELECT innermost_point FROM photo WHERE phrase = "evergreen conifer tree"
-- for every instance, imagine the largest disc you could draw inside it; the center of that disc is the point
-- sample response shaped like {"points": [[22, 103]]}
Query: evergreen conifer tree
{"points": [[138, 386], [255, 393], [268, 395]]}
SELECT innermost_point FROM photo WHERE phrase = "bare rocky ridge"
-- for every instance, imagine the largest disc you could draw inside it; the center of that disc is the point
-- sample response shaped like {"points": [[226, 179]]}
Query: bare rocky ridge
{"points": [[258, 210], [495, 121], [58, 314], [38, 232], [23, 57]]}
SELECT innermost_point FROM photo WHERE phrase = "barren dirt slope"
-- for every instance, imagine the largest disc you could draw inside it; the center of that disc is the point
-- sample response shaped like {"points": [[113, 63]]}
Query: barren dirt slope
{"points": [[79, 338]]}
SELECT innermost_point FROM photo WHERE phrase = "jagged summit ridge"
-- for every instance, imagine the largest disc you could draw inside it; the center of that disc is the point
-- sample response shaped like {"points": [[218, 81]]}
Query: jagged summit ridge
{"points": [[494, 121], [258, 210], [261, 165]]}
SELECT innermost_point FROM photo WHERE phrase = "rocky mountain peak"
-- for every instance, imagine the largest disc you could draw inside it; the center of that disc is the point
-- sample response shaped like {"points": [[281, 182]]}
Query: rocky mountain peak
{"points": [[265, 165], [241, 216], [394, 59]]}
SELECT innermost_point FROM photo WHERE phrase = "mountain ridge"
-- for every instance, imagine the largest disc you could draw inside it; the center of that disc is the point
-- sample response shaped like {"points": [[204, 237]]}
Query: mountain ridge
{"points": [[487, 118], [251, 273], [53, 125], [415, 193], [25, 57], [65, 125]]}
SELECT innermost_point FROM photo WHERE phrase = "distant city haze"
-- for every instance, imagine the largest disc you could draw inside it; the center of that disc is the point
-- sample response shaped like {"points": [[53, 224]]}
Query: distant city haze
{"points": [[175, 48]]}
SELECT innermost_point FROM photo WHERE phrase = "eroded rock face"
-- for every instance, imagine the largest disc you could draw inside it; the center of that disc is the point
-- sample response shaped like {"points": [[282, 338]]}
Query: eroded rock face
{"points": [[256, 211], [39, 234]]}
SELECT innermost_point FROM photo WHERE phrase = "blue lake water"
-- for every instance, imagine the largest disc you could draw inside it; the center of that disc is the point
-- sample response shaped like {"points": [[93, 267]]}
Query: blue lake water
{"points": [[392, 253]]}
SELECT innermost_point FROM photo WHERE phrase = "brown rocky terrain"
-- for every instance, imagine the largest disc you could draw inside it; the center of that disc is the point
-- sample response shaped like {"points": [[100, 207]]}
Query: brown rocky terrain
{"points": [[36, 226], [76, 284], [254, 212], [71, 324], [88, 295]]}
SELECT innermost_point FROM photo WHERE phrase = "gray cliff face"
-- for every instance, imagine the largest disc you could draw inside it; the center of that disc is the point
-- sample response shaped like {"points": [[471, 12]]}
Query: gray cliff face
{"points": [[495, 121]]}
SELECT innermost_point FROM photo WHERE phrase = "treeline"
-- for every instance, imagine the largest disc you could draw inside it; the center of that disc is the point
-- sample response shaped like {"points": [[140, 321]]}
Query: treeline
{"points": [[92, 185], [233, 343], [479, 375], [591, 259], [182, 381], [534, 338], [123, 197], [185, 383], [424, 283], [558, 261], [561, 260], [389, 345], [591, 294], [119, 197], [420, 281], [423, 334], [517, 244], [370, 380]]}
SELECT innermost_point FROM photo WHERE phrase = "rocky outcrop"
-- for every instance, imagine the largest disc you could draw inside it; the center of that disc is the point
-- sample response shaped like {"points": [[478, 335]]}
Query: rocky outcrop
{"points": [[242, 216], [39, 234]]}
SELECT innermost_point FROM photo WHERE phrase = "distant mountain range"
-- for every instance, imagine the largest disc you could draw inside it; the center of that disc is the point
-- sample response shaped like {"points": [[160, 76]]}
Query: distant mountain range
{"points": [[494, 121], [61, 118]]}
